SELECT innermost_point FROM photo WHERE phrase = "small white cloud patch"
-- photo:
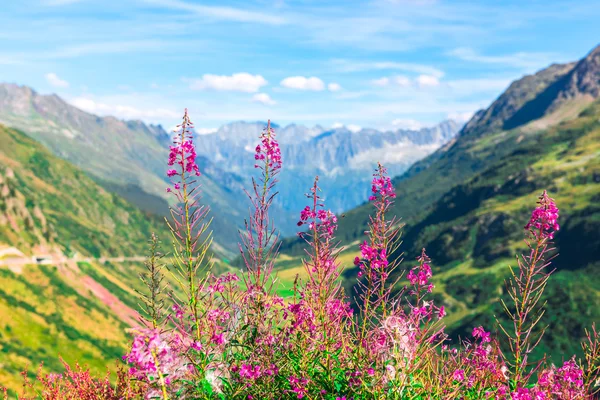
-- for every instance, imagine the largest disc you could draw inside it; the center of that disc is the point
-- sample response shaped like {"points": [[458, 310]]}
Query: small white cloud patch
{"points": [[55, 81], [427, 81], [263, 98], [334, 87], [303, 83], [240, 82]]}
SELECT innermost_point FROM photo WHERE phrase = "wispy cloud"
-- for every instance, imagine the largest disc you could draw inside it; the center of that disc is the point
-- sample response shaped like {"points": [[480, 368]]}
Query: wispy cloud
{"points": [[220, 12], [205, 131], [427, 80], [334, 87], [263, 98], [240, 82], [55, 81], [342, 65], [460, 116], [525, 60], [121, 110], [407, 123]]}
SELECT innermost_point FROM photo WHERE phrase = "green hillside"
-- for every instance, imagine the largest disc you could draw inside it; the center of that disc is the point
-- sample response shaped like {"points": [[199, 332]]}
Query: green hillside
{"points": [[468, 202], [47, 201], [125, 157], [77, 310]]}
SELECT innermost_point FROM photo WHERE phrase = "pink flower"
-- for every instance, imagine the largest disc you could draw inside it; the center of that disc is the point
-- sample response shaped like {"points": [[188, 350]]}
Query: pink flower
{"points": [[268, 150], [544, 218], [459, 375], [382, 185], [441, 312], [479, 332]]}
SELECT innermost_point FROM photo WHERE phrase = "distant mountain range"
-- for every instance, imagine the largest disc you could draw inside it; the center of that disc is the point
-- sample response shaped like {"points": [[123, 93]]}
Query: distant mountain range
{"points": [[343, 159], [128, 157], [467, 203]]}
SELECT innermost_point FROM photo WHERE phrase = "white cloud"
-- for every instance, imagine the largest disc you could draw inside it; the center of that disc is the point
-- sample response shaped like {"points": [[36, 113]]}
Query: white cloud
{"points": [[350, 127], [398, 80], [334, 87], [123, 111], [55, 81], [358, 66], [526, 60], [205, 131], [404, 152], [410, 124], [240, 82], [460, 116], [222, 13], [381, 82], [427, 81], [401, 81], [263, 98], [353, 128], [302, 83]]}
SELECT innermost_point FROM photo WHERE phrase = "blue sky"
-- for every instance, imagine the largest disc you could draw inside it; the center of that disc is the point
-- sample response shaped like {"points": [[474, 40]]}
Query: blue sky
{"points": [[377, 63]]}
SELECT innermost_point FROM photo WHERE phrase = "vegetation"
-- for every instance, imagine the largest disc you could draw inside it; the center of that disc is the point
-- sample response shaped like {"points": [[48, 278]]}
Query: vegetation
{"points": [[211, 338]]}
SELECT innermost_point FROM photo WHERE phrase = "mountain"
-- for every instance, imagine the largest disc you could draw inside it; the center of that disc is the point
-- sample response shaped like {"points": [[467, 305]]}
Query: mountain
{"points": [[126, 157], [467, 204], [47, 202], [343, 159], [78, 310]]}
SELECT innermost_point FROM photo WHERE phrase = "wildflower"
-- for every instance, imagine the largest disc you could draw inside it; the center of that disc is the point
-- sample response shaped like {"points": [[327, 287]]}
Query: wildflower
{"points": [[544, 218], [154, 354], [268, 150], [183, 153], [441, 312], [459, 375], [480, 333], [382, 185], [178, 311]]}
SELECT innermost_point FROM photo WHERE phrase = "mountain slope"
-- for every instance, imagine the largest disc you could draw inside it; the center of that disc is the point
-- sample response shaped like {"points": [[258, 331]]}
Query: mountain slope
{"points": [[482, 140], [76, 310], [468, 202], [127, 157], [45, 201]]}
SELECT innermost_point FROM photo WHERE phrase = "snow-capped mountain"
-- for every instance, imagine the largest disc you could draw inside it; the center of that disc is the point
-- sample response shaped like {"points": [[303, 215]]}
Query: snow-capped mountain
{"points": [[343, 159]]}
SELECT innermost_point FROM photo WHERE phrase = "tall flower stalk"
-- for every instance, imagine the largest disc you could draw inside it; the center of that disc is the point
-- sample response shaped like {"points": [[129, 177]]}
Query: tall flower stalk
{"points": [[189, 225], [259, 243], [526, 288], [375, 268]]}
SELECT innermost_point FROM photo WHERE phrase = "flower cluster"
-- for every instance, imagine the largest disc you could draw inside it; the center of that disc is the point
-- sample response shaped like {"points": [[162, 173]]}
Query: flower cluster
{"points": [[382, 185], [225, 341], [157, 356], [324, 221], [420, 275], [373, 260], [544, 218], [268, 150], [183, 153], [565, 382]]}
